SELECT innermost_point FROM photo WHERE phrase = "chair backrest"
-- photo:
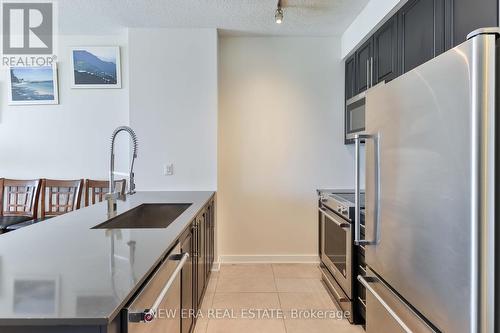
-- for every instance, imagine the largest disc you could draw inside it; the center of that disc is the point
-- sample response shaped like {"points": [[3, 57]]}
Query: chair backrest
{"points": [[60, 196], [20, 197], [96, 189]]}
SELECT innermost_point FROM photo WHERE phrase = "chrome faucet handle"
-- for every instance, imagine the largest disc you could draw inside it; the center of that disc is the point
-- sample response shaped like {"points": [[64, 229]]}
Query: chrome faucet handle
{"points": [[131, 189]]}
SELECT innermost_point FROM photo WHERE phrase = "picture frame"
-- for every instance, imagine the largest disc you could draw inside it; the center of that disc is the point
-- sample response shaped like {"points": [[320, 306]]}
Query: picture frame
{"points": [[96, 67], [37, 85]]}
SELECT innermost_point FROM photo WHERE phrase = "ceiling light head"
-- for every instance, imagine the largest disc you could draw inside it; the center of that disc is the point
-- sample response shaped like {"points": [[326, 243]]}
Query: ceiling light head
{"points": [[278, 16]]}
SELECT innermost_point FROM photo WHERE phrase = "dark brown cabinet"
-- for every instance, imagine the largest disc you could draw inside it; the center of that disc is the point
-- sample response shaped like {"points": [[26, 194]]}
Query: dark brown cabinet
{"points": [[421, 32], [200, 256], [187, 283], [364, 61], [385, 52], [209, 237], [350, 81], [464, 16], [204, 252], [418, 32]]}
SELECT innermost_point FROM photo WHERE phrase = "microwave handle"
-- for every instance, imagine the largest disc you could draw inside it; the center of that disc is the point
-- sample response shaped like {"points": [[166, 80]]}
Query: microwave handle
{"points": [[357, 190]]}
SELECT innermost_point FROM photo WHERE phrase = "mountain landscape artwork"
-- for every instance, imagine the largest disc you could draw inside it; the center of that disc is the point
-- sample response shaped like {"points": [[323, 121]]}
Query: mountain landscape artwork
{"points": [[33, 85], [96, 67]]}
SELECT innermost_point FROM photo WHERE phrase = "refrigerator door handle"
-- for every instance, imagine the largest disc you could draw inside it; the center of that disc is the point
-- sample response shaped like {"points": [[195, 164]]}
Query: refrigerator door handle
{"points": [[357, 190]]}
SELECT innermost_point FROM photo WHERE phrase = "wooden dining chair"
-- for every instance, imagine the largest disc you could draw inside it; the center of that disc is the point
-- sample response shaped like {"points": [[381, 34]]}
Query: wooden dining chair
{"points": [[96, 189], [57, 197], [20, 197], [60, 196], [19, 201]]}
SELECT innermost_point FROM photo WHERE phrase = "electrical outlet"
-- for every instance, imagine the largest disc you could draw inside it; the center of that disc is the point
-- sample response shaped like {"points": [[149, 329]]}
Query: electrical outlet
{"points": [[168, 169]]}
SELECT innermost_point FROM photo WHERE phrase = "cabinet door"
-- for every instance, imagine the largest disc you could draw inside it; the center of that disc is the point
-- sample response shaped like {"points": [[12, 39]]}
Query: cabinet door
{"points": [[212, 233], [207, 241], [466, 16], [187, 284], [421, 32], [200, 250], [385, 52], [363, 56], [350, 77]]}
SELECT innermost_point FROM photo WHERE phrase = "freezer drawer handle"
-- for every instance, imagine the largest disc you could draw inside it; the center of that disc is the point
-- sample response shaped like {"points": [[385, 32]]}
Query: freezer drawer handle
{"points": [[357, 208], [334, 220], [148, 315], [364, 282]]}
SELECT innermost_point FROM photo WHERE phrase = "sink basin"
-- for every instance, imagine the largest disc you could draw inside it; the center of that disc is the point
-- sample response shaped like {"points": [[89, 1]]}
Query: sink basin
{"points": [[146, 216]]}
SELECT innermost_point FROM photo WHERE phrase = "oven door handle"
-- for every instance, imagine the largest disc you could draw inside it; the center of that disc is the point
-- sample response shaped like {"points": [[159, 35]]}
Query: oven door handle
{"points": [[334, 220]]}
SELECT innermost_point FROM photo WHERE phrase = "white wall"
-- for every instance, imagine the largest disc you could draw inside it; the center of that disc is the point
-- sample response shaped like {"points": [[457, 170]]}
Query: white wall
{"points": [[173, 107], [69, 140], [280, 138], [368, 21]]}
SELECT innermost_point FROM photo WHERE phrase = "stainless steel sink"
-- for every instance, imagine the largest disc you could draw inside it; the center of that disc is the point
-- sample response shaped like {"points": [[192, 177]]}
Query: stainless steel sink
{"points": [[146, 216]]}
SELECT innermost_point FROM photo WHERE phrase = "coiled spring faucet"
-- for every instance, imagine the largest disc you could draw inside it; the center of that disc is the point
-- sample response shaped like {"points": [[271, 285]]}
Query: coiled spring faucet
{"points": [[113, 195]]}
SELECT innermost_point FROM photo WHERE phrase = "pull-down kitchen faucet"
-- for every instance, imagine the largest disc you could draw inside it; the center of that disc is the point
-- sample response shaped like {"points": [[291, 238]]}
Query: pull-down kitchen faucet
{"points": [[113, 194]]}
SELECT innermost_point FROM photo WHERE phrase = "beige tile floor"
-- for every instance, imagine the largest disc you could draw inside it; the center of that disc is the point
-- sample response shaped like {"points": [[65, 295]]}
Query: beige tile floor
{"points": [[277, 287]]}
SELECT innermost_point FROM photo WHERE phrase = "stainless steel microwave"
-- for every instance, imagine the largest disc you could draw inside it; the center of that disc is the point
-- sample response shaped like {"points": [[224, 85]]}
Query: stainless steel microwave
{"points": [[355, 116]]}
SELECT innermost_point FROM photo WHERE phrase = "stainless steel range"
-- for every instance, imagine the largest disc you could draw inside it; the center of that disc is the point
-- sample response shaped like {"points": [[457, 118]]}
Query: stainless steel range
{"points": [[337, 249]]}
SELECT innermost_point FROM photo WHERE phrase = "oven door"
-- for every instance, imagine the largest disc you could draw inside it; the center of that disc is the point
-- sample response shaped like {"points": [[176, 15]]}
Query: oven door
{"points": [[336, 248]]}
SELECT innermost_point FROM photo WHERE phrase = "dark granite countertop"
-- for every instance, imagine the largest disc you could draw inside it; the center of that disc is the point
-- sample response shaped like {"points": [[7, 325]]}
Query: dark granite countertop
{"points": [[62, 272]]}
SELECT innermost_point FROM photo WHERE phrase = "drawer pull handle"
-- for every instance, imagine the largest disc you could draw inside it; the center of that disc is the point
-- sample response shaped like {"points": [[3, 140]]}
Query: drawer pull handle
{"points": [[379, 298], [148, 315]]}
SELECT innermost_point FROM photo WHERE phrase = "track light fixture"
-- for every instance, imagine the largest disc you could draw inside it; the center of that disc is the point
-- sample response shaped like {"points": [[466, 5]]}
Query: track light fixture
{"points": [[278, 16]]}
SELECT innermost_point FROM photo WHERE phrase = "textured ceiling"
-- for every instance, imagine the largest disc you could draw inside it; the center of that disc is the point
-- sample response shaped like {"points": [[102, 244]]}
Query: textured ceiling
{"points": [[238, 17]]}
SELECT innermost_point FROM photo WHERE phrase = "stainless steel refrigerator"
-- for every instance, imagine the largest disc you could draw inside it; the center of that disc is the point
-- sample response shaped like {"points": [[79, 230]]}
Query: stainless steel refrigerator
{"points": [[431, 164]]}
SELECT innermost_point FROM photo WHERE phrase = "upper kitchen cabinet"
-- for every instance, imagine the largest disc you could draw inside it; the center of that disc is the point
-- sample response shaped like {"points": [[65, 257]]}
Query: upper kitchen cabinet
{"points": [[421, 32], [464, 16], [385, 52], [364, 61], [350, 82]]}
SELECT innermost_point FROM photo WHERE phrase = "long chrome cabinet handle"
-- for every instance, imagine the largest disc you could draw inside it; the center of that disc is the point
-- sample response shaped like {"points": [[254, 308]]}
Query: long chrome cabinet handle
{"points": [[148, 315], [357, 208], [371, 71], [367, 73], [334, 220], [379, 298]]}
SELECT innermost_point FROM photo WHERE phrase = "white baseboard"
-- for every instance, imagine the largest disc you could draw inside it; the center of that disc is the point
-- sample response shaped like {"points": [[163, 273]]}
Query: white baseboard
{"points": [[216, 267], [268, 259]]}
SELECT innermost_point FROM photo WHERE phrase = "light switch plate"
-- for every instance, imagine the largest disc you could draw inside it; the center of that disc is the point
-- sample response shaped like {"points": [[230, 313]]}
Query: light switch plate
{"points": [[168, 169]]}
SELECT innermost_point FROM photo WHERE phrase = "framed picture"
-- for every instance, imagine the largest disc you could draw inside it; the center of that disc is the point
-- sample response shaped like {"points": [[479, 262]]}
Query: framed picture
{"points": [[96, 67], [33, 85]]}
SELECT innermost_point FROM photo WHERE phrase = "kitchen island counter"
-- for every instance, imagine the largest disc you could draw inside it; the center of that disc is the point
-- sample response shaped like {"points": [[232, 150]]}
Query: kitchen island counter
{"points": [[62, 272]]}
